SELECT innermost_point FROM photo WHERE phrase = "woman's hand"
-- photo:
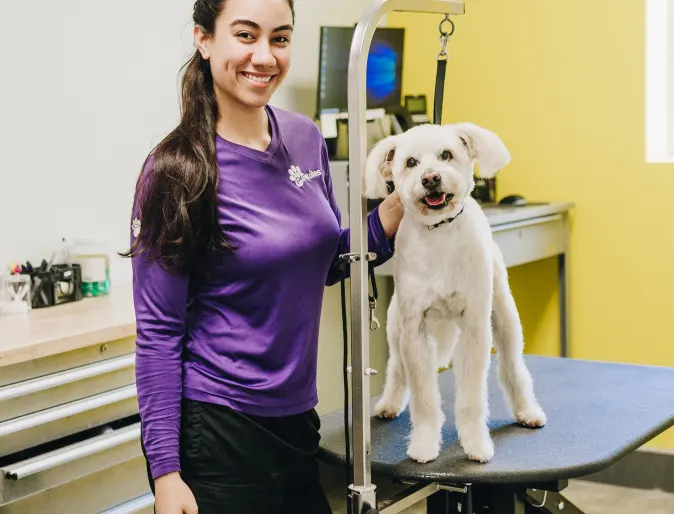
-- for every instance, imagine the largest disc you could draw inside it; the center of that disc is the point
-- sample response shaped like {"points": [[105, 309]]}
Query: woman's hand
{"points": [[390, 213], [172, 496]]}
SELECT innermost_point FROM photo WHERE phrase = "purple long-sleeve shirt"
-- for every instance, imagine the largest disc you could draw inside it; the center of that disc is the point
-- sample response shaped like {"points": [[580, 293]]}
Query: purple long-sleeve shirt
{"points": [[245, 335]]}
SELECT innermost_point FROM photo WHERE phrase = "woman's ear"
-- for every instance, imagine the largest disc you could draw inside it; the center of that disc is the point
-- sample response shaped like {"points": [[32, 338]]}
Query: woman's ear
{"points": [[201, 41], [483, 146], [379, 168]]}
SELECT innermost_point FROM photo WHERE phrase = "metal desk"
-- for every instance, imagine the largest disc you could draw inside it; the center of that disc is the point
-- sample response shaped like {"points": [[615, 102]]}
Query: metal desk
{"points": [[524, 234]]}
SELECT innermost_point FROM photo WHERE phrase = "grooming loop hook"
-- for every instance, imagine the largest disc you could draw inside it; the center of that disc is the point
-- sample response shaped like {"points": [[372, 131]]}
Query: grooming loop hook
{"points": [[444, 35], [374, 322]]}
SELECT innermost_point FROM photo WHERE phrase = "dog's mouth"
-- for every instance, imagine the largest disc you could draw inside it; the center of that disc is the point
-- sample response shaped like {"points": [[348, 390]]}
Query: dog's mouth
{"points": [[437, 199]]}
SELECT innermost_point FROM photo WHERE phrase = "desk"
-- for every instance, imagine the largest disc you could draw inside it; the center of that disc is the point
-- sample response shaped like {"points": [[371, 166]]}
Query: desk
{"points": [[578, 397], [524, 234]]}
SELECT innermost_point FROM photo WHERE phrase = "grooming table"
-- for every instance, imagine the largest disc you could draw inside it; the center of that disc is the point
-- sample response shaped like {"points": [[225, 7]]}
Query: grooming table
{"points": [[597, 413]]}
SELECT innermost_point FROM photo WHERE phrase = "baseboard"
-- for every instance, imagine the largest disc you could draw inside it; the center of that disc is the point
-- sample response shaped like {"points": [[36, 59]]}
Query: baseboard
{"points": [[642, 469]]}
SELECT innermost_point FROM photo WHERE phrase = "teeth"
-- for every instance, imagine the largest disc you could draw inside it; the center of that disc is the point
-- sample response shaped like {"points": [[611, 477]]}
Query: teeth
{"points": [[258, 79]]}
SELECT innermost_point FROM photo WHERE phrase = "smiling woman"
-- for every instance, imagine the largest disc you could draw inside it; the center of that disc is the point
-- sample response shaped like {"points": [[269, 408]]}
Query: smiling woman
{"points": [[227, 295]]}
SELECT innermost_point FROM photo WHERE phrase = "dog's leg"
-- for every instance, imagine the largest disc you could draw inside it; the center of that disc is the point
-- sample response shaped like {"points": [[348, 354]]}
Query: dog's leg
{"points": [[396, 393], [419, 357], [514, 376], [471, 365]]}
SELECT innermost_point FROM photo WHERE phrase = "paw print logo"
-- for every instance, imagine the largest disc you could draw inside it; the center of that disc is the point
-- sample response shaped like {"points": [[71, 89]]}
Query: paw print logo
{"points": [[135, 227], [296, 175]]}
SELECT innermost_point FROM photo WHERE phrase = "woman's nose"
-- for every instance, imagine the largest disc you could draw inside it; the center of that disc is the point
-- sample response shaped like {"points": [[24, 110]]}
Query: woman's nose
{"points": [[263, 56]]}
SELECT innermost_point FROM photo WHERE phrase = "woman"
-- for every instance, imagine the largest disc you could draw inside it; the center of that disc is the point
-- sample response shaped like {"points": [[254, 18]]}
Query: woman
{"points": [[235, 235]]}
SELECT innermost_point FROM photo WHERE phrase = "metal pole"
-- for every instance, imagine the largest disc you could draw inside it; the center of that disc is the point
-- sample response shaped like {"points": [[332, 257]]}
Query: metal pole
{"points": [[362, 490]]}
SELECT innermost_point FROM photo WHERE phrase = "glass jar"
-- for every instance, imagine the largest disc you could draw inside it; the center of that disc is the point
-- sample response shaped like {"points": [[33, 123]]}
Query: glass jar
{"points": [[94, 260]]}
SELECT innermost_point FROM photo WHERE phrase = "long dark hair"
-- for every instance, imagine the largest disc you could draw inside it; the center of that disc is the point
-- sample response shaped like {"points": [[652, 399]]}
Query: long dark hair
{"points": [[177, 201]]}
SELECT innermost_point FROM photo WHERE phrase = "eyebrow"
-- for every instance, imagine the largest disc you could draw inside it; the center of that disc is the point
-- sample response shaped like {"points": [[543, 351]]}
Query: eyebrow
{"points": [[254, 25]]}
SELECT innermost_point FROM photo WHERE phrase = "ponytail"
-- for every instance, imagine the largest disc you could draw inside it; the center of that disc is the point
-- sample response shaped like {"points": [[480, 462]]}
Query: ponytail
{"points": [[176, 196]]}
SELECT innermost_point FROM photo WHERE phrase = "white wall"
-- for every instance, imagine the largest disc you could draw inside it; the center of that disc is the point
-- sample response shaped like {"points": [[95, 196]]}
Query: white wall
{"points": [[86, 89]]}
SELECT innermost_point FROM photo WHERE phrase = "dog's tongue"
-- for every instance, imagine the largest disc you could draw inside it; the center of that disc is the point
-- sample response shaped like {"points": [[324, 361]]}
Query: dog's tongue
{"points": [[436, 199]]}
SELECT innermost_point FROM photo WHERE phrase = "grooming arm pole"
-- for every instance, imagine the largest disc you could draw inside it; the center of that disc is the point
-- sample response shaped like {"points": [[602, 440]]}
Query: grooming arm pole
{"points": [[362, 490]]}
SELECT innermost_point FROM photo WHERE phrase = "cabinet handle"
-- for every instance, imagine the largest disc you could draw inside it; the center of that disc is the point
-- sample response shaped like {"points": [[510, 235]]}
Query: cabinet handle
{"points": [[66, 410], [66, 377], [70, 453], [132, 506]]}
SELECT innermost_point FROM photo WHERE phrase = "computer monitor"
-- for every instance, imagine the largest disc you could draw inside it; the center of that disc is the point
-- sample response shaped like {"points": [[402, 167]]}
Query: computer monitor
{"points": [[384, 69]]}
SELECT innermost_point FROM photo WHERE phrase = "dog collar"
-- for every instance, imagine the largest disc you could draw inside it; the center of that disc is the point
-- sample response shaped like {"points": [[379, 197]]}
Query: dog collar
{"points": [[448, 220]]}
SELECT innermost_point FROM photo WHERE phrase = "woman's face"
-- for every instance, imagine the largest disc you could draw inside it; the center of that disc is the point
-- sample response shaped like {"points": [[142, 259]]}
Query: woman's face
{"points": [[249, 53]]}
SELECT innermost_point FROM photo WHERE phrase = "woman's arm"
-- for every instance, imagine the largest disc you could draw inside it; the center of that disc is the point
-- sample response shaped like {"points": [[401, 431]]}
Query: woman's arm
{"points": [[160, 302], [382, 225]]}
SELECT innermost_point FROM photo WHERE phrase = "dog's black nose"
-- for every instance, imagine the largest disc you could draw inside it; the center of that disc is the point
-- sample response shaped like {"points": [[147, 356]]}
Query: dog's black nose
{"points": [[430, 179]]}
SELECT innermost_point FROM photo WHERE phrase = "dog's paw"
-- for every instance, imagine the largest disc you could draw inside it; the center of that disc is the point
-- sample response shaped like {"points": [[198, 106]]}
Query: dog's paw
{"points": [[480, 450], [423, 449], [387, 410], [532, 417]]}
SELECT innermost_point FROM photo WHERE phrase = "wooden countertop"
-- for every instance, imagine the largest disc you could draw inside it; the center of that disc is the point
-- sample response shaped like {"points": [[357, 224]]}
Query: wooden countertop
{"points": [[52, 330]]}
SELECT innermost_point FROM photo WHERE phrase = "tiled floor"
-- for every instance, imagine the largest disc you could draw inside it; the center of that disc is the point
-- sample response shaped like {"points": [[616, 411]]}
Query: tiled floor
{"points": [[590, 497], [594, 498]]}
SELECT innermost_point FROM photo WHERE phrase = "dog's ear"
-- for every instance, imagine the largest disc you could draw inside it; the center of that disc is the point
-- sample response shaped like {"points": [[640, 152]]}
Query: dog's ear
{"points": [[379, 168], [485, 147]]}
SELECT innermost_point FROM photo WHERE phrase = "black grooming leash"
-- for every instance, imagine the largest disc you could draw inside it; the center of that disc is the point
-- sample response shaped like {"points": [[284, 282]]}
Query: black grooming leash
{"points": [[442, 68]]}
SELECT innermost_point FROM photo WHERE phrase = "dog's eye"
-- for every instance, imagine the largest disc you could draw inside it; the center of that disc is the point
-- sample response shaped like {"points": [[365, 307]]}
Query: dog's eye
{"points": [[446, 155], [412, 162]]}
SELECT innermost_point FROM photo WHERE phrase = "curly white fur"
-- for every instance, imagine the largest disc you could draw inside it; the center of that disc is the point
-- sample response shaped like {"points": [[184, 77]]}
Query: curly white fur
{"points": [[452, 299]]}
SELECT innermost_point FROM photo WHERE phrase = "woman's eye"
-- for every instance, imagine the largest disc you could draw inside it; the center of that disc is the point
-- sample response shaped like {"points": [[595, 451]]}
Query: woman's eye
{"points": [[245, 35], [284, 40], [446, 155], [412, 162]]}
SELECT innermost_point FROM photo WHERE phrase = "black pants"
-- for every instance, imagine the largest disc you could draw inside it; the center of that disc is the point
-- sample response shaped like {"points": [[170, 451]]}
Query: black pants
{"points": [[241, 464]]}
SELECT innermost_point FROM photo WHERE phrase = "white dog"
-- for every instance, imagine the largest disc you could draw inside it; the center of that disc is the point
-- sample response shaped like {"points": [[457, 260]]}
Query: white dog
{"points": [[451, 289]]}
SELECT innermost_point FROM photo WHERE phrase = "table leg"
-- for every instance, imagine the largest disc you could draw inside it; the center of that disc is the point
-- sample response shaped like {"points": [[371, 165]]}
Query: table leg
{"points": [[498, 499], [439, 503], [563, 281]]}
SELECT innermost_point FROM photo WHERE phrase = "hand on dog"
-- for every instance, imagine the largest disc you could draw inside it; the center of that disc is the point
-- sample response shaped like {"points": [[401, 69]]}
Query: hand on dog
{"points": [[390, 213]]}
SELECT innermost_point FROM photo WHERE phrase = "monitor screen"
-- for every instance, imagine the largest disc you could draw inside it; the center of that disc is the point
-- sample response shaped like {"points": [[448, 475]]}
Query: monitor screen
{"points": [[384, 68]]}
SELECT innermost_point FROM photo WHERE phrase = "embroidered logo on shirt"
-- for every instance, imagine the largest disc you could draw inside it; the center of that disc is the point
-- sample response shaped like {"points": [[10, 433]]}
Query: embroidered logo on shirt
{"points": [[135, 227], [299, 178]]}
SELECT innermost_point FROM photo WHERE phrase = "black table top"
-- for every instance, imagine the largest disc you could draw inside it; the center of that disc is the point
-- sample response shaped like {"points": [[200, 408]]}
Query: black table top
{"points": [[597, 413]]}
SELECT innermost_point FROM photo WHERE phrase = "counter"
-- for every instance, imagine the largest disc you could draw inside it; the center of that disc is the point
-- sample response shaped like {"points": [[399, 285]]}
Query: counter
{"points": [[69, 424], [53, 330]]}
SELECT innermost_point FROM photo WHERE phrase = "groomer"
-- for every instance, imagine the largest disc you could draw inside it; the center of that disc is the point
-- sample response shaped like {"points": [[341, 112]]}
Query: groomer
{"points": [[235, 234]]}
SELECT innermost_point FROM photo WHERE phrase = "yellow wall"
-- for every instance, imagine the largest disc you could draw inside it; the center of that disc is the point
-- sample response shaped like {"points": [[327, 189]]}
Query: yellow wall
{"points": [[562, 83]]}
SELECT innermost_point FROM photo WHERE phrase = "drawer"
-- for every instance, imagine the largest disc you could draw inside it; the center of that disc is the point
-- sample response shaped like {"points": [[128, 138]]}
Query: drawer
{"points": [[530, 240], [50, 424], [25, 478], [64, 361], [90, 494], [41, 393], [141, 505]]}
